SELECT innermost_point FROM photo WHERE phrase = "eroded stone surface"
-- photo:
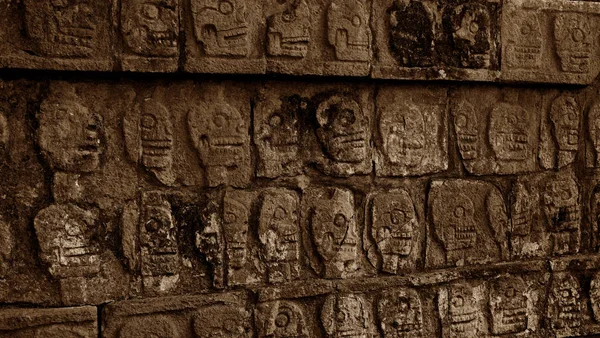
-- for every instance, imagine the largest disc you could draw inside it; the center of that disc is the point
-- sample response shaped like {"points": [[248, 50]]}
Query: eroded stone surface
{"points": [[74, 322]]}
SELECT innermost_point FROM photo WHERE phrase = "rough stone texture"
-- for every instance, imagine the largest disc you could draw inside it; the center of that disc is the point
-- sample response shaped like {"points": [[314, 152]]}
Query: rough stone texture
{"points": [[273, 206]]}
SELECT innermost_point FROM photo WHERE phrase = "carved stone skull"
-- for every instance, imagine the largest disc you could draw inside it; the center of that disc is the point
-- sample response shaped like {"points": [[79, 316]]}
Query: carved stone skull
{"points": [[565, 305], [564, 115], [342, 129], [289, 31], [346, 316], [222, 26], [158, 237], [394, 227], [235, 232], [69, 134], [63, 28], [471, 35], [402, 131], [348, 30], [508, 305], [574, 40], [285, 319], [462, 310], [457, 224], [334, 232], [467, 131], [279, 234], [401, 314], [508, 133], [594, 129], [562, 213], [151, 27], [411, 41]]}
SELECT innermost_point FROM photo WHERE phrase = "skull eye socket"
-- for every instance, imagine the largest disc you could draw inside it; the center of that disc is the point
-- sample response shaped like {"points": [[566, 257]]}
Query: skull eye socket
{"points": [[279, 213], [230, 217], [356, 21], [275, 120], [458, 301], [150, 11], [226, 7], [340, 220], [283, 318], [346, 117], [461, 121], [526, 29], [398, 216], [578, 35], [219, 120], [341, 316], [510, 292], [148, 121], [459, 211], [474, 27], [571, 117]]}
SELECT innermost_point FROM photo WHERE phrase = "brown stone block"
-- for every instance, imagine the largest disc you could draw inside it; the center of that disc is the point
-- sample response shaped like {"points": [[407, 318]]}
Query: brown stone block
{"points": [[60, 35], [80, 322], [224, 37], [550, 41], [411, 134], [428, 39], [317, 37]]}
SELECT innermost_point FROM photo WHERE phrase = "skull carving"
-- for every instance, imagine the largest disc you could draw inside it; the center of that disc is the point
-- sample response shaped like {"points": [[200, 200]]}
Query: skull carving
{"points": [[508, 305], [279, 235], [63, 28], [394, 227], [158, 237], [401, 314], [210, 242], [525, 48], [151, 27], [69, 134], [289, 31], [278, 140], [573, 38], [563, 214], [222, 321], [334, 233], [471, 35], [348, 30], [342, 128], [149, 138], [508, 130], [154, 327], [565, 304], [462, 311], [521, 211], [467, 131], [594, 129], [402, 131], [411, 41], [222, 27], [65, 233], [284, 319], [564, 115], [220, 134], [456, 226], [235, 232], [346, 316]]}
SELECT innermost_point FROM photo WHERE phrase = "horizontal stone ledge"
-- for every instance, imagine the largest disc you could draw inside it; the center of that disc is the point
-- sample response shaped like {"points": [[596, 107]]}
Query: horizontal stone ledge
{"points": [[512, 41]]}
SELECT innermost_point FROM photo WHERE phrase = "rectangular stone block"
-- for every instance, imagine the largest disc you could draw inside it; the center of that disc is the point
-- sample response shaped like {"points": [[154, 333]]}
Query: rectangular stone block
{"points": [[79, 322], [224, 37], [317, 37], [552, 41], [445, 40], [63, 35], [411, 131], [211, 315]]}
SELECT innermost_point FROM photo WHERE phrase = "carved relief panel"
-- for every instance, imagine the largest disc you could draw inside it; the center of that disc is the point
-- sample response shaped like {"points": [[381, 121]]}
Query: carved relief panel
{"points": [[560, 131], [216, 315], [282, 319], [411, 137], [225, 37], [332, 241], [468, 220], [150, 32], [219, 128], [415, 39], [348, 315], [545, 215], [460, 307], [396, 232], [400, 313], [76, 322], [548, 43], [497, 130], [61, 35], [566, 310]]}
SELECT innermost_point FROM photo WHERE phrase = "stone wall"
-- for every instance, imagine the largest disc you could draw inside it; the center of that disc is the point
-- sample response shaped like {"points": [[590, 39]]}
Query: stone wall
{"points": [[296, 188]]}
